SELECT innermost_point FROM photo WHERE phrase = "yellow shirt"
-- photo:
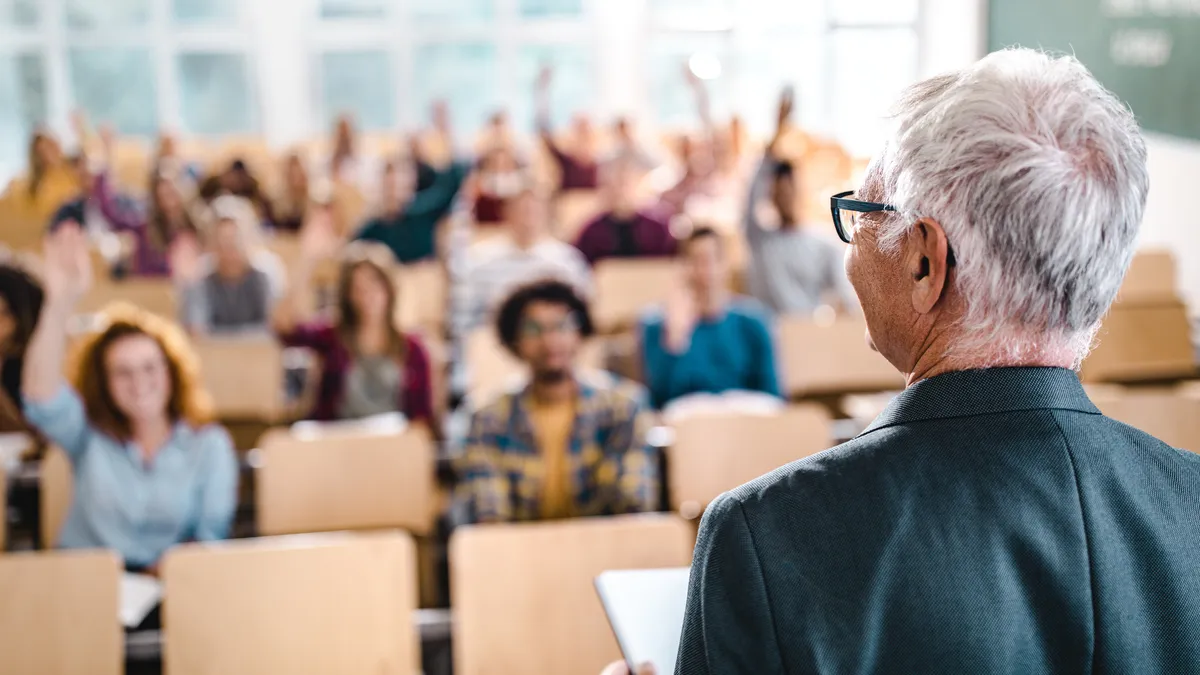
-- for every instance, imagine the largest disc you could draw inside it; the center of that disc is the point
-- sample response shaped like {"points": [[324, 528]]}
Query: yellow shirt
{"points": [[552, 425]]}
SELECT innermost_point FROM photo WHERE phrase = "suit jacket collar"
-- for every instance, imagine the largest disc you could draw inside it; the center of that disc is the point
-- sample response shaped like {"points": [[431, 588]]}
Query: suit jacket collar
{"points": [[985, 391]]}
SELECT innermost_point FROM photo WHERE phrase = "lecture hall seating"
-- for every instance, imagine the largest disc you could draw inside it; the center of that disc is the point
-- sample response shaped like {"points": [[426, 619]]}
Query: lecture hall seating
{"points": [[59, 613], [1171, 415], [713, 453], [523, 594], [627, 287], [56, 489], [831, 357], [316, 604], [244, 376], [346, 480]]}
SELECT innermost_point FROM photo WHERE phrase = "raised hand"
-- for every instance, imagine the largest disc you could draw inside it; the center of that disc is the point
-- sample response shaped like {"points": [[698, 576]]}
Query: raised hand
{"points": [[545, 77], [787, 102], [184, 257], [440, 114], [680, 319], [318, 236], [68, 266]]}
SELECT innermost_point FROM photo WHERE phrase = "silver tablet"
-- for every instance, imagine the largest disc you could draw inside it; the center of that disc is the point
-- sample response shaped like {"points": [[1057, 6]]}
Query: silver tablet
{"points": [[645, 609]]}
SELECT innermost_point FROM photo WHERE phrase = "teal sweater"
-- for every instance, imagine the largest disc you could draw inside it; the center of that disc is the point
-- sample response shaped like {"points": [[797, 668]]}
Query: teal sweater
{"points": [[734, 351], [410, 234]]}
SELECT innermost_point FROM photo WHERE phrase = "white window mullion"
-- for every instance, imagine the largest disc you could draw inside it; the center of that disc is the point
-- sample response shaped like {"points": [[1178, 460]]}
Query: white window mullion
{"points": [[59, 99], [507, 29], [166, 72], [408, 117]]}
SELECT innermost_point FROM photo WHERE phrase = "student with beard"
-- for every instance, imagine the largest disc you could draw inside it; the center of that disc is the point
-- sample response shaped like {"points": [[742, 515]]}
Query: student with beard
{"points": [[568, 443]]}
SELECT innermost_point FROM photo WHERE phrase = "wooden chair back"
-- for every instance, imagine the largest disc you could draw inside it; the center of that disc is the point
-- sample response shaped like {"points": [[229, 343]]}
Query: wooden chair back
{"points": [[57, 489], [523, 594], [244, 376], [1142, 342], [59, 613], [1172, 416], [626, 288], [346, 481], [831, 358], [423, 296], [1150, 279], [714, 453], [325, 604], [156, 296]]}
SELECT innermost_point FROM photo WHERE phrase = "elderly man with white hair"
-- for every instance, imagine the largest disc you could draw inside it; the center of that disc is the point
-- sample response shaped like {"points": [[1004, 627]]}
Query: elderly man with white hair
{"points": [[991, 520]]}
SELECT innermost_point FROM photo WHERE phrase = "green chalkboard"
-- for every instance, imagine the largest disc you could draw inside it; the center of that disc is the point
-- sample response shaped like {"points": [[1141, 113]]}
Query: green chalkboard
{"points": [[1145, 51]]}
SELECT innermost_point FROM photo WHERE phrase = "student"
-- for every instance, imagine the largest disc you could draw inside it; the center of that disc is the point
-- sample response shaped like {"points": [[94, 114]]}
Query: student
{"points": [[500, 178], [578, 168], [369, 367], [233, 288], [623, 231], [495, 267], [21, 299], [706, 341], [793, 270], [569, 443], [291, 205], [50, 181], [408, 224], [151, 470], [155, 225]]}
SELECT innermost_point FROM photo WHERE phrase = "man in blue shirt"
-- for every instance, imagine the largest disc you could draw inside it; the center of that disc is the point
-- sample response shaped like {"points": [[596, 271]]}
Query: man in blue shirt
{"points": [[704, 340]]}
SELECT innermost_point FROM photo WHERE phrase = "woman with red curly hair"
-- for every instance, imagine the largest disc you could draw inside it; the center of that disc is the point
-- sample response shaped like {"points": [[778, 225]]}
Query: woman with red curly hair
{"points": [[151, 469]]}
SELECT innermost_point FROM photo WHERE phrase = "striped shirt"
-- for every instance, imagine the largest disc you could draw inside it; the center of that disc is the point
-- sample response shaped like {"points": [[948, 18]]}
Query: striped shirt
{"points": [[495, 268]]}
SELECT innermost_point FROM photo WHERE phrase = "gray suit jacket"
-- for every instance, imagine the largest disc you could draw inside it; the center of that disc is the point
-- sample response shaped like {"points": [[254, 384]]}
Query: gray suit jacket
{"points": [[989, 521]]}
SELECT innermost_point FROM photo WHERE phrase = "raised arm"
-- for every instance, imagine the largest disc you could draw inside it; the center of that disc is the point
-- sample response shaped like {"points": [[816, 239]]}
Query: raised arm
{"points": [[541, 96], [766, 170], [703, 104], [120, 217], [317, 242], [49, 404], [68, 277]]}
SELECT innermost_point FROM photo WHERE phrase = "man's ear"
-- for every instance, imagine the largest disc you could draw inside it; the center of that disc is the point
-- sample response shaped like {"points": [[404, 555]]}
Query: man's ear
{"points": [[927, 264]]}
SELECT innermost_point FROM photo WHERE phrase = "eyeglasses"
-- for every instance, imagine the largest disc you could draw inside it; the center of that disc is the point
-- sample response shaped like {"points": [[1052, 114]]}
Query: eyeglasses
{"points": [[847, 218], [533, 329]]}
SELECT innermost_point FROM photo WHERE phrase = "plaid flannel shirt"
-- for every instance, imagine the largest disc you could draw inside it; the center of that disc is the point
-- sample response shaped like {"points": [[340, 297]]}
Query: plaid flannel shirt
{"points": [[612, 468]]}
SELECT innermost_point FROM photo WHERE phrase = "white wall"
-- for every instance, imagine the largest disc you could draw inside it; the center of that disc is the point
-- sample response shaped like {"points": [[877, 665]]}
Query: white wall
{"points": [[1172, 219], [954, 33]]}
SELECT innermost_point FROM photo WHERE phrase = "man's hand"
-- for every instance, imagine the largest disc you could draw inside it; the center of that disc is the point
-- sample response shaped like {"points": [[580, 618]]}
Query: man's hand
{"points": [[621, 668], [680, 319]]}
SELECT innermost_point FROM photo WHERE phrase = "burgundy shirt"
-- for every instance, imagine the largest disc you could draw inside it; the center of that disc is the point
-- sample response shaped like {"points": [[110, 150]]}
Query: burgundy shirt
{"points": [[576, 174], [644, 236], [122, 216], [416, 399]]}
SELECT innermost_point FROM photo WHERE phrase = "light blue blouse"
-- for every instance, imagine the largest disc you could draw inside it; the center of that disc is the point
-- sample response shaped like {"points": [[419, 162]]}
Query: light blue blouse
{"points": [[188, 492]]}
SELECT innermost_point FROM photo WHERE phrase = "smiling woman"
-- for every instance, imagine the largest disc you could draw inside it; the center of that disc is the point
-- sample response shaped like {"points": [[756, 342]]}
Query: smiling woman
{"points": [[150, 468]]}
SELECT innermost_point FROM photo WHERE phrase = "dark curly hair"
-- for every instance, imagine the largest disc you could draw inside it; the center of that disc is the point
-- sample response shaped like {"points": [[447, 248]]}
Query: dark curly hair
{"points": [[552, 291], [23, 295]]}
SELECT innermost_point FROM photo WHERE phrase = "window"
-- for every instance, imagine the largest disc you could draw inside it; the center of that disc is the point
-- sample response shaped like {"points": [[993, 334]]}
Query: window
{"points": [[354, 9], [23, 88], [571, 91], [859, 120], [551, 8], [216, 96], [100, 14], [19, 13], [116, 85], [674, 100], [454, 11], [358, 83], [204, 11], [464, 75], [874, 12]]}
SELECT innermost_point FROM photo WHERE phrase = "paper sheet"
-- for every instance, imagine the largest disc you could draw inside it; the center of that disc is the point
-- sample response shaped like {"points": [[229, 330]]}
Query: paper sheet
{"points": [[140, 594]]}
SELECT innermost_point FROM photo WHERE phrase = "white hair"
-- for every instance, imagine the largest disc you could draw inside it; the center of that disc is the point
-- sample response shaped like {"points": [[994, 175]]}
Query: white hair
{"points": [[1038, 176]]}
